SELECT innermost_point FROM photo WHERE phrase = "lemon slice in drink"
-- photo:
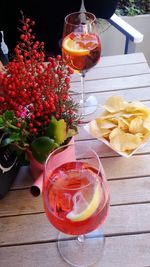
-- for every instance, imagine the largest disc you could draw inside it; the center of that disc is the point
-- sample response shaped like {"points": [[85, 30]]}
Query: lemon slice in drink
{"points": [[85, 203], [73, 47]]}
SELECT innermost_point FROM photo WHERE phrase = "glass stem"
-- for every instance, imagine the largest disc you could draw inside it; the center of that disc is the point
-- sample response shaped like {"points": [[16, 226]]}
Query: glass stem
{"points": [[82, 88], [81, 238]]}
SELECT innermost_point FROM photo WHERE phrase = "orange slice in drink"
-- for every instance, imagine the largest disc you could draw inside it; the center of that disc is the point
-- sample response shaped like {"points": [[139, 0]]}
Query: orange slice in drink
{"points": [[85, 202], [73, 47]]}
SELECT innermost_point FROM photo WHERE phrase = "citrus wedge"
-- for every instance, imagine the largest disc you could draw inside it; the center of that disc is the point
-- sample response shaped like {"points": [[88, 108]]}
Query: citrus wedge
{"points": [[85, 203], [73, 47]]}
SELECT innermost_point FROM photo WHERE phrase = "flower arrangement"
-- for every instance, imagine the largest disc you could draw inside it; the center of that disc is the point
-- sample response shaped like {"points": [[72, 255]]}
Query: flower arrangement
{"points": [[37, 112]]}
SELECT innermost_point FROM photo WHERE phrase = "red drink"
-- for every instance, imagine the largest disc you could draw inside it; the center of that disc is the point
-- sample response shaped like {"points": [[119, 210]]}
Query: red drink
{"points": [[81, 50], [76, 199]]}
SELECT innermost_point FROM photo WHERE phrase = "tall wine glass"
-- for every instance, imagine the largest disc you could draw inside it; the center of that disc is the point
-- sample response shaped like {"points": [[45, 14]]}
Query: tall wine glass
{"points": [[76, 201], [81, 49]]}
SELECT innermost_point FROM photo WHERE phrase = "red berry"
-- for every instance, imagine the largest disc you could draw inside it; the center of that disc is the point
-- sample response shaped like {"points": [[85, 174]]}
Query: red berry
{"points": [[18, 124]]}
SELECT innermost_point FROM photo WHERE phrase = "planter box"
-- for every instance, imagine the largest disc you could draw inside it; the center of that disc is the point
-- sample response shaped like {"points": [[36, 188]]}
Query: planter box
{"points": [[113, 41]]}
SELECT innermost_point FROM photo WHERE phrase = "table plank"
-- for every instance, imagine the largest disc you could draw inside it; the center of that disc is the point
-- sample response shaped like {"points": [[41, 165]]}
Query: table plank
{"points": [[105, 151], [20, 202], [140, 94], [112, 72], [121, 60], [26, 236], [130, 191], [27, 229], [135, 166], [123, 191], [119, 83], [120, 251]]}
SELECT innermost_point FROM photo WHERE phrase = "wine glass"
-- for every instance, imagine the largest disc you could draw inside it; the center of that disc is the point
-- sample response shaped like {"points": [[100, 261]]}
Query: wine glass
{"points": [[76, 201], [81, 49]]}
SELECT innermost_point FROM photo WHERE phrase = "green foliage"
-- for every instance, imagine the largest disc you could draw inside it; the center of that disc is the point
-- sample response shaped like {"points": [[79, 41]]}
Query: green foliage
{"points": [[41, 147], [52, 136], [131, 7], [57, 130]]}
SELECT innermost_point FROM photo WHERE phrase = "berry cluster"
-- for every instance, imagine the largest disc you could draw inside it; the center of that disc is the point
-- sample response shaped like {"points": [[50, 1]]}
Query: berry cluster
{"points": [[34, 90]]}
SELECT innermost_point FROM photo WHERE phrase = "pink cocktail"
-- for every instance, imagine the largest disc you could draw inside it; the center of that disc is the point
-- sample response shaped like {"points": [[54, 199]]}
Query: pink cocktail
{"points": [[76, 202]]}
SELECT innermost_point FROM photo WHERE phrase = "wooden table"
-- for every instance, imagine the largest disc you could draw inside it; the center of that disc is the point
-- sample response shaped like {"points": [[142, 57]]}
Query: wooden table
{"points": [[26, 237]]}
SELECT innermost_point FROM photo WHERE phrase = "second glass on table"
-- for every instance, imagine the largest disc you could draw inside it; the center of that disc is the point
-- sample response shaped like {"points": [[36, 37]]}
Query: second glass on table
{"points": [[81, 49]]}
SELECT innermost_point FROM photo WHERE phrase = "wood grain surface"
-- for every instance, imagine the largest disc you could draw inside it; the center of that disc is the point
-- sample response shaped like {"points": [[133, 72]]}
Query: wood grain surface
{"points": [[26, 236]]}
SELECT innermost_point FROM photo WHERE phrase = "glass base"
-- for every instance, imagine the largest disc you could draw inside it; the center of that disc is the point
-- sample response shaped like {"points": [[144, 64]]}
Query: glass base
{"points": [[84, 250], [89, 106]]}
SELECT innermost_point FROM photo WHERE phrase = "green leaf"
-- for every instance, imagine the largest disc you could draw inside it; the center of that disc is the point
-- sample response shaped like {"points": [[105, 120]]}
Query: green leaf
{"points": [[1, 122], [9, 115], [57, 130], [41, 147], [24, 125]]}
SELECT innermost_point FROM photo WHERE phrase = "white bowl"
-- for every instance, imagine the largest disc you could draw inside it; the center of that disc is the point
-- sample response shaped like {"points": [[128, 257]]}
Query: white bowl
{"points": [[127, 155]]}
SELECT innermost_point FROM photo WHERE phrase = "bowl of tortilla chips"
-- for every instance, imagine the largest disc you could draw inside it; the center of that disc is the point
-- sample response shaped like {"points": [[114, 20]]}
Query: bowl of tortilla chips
{"points": [[123, 126]]}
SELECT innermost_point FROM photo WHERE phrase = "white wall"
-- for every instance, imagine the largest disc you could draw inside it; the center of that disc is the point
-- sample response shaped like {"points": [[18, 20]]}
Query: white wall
{"points": [[113, 41]]}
